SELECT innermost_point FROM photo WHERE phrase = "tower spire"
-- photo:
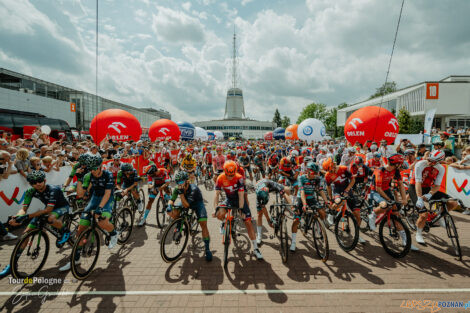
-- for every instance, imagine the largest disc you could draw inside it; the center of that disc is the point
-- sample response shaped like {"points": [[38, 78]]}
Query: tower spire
{"points": [[234, 59]]}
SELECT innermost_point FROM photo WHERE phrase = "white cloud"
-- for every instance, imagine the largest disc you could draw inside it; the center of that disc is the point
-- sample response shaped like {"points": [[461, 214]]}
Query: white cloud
{"points": [[140, 16], [245, 2], [177, 26], [109, 28], [186, 6]]}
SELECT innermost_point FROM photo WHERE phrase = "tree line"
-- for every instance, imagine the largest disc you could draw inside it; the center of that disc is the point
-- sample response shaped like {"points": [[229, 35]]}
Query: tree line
{"points": [[328, 115]]}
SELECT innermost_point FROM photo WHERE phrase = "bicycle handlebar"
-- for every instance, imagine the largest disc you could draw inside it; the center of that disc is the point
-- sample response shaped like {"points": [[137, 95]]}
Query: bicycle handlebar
{"points": [[446, 200]]}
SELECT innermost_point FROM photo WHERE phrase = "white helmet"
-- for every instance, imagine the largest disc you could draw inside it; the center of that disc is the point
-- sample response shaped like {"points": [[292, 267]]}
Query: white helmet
{"points": [[294, 153], [436, 156]]}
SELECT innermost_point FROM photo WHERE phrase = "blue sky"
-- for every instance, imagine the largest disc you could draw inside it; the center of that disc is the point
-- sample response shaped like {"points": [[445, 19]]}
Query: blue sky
{"points": [[176, 54]]}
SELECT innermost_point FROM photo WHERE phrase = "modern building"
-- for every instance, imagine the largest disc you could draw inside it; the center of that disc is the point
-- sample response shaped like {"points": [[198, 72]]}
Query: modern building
{"points": [[235, 123], [449, 96], [25, 93]]}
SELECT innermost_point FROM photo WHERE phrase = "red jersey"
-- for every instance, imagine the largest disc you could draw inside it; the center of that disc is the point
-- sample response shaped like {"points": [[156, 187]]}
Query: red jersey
{"points": [[340, 179], [230, 187], [218, 161], [383, 178], [427, 175], [160, 177], [284, 165], [158, 159], [208, 157], [373, 163], [174, 156], [273, 160], [241, 171]]}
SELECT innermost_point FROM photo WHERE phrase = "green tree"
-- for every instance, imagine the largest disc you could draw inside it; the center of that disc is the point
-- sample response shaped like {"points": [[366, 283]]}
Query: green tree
{"points": [[386, 88], [313, 110], [285, 122], [331, 121], [417, 125], [404, 120], [277, 118]]}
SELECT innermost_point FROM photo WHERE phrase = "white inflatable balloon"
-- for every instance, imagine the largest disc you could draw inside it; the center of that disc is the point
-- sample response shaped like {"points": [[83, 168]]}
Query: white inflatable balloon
{"points": [[45, 129], [219, 135], [311, 129], [201, 134]]}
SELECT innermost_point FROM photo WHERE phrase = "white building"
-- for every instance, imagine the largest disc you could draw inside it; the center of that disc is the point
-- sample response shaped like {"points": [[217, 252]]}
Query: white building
{"points": [[25, 93], [450, 97]]}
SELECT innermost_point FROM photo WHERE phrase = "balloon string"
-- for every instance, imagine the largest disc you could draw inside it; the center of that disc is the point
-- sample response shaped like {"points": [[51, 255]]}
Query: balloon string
{"points": [[388, 70]]}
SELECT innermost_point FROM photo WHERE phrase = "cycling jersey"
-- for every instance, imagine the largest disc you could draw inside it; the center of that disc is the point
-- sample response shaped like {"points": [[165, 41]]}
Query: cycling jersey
{"points": [[193, 195], [426, 174], [383, 178], [244, 161], [174, 156], [231, 187], [360, 172], [268, 185], [114, 169], [309, 186], [273, 160], [160, 177], [218, 161], [75, 173], [127, 180], [340, 179], [100, 184], [52, 196], [258, 161], [189, 165], [285, 165], [208, 158], [373, 163]]}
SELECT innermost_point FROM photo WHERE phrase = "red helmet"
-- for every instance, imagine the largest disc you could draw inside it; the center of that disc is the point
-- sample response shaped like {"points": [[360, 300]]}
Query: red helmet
{"points": [[396, 159], [230, 168], [436, 156]]}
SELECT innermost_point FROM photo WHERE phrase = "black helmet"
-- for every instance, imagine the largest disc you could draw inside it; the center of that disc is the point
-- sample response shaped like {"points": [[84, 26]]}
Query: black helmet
{"points": [[94, 162], [181, 177], [126, 167], [36, 177], [313, 167]]}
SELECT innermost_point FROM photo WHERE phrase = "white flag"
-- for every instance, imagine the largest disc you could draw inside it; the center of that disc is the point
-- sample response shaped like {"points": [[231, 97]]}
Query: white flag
{"points": [[428, 121]]}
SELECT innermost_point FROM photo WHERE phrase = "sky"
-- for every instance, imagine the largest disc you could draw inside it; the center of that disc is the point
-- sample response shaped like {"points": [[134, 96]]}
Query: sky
{"points": [[176, 55]]}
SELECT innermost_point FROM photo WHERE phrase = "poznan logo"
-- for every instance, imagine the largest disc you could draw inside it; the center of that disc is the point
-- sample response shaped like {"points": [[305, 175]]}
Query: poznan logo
{"points": [[308, 130], [354, 121], [115, 126], [394, 123]]}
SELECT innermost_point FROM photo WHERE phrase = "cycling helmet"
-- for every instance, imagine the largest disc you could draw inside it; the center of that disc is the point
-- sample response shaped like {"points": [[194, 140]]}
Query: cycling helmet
{"points": [[181, 177], [294, 153], [94, 162], [150, 169], [83, 159], [327, 164], [116, 157], [126, 167], [188, 156], [396, 159], [358, 160], [259, 152], [373, 147], [377, 154], [436, 156], [230, 168], [313, 167], [219, 148], [36, 177], [409, 151]]}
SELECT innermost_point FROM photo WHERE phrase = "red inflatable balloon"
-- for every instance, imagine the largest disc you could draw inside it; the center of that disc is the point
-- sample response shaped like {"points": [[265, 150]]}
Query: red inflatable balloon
{"points": [[371, 123], [164, 130], [118, 124], [291, 132], [268, 136]]}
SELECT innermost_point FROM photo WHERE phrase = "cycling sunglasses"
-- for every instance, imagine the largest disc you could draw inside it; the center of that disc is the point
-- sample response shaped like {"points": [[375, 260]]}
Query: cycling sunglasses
{"points": [[35, 181]]}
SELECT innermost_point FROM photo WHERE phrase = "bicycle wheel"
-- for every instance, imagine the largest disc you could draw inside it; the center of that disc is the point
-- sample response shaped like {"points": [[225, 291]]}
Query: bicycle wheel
{"points": [[194, 223], [123, 224], [142, 196], [284, 239], [227, 231], [257, 176], [411, 215], [391, 239], [320, 239], [453, 235], [160, 210], [27, 263], [87, 249], [174, 240], [347, 231]]}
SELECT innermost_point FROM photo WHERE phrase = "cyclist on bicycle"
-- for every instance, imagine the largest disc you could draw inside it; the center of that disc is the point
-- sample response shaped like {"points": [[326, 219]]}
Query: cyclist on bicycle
{"points": [[310, 185], [79, 170], [100, 183], [426, 180], [160, 181], [191, 197], [208, 162], [244, 161], [233, 185], [262, 189], [342, 180], [273, 162], [115, 166], [381, 191], [288, 172], [361, 174], [258, 161], [127, 180], [218, 163], [56, 206], [188, 164]]}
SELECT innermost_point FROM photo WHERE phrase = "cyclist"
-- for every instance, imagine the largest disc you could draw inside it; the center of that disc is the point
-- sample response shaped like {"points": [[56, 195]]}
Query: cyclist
{"points": [[375, 161], [160, 178], [273, 162], [342, 180], [258, 161], [424, 185], [218, 163], [232, 184], [191, 197], [101, 185], [79, 170], [361, 174], [114, 166], [381, 191], [310, 185], [127, 180], [208, 162], [288, 172], [56, 206], [188, 164], [244, 161], [262, 189]]}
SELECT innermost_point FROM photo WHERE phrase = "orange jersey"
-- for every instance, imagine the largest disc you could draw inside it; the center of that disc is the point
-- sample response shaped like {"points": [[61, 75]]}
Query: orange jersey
{"points": [[231, 187]]}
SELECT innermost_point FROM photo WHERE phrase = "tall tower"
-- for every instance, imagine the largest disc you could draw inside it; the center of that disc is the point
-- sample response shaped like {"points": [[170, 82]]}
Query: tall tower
{"points": [[234, 106]]}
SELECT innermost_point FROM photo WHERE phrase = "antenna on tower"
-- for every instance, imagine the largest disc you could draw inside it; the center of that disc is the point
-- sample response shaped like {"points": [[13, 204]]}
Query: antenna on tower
{"points": [[234, 59]]}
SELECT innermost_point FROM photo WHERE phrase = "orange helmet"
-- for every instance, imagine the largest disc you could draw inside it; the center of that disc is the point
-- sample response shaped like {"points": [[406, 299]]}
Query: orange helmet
{"points": [[230, 168], [327, 164]]}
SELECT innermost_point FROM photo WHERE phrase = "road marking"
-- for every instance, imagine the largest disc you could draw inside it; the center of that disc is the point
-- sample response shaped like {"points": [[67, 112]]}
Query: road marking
{"points": [[222, 292]]}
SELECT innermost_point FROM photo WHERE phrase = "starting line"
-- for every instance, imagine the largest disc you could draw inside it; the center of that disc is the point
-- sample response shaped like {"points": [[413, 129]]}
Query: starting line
{"points": [[224, 292]]}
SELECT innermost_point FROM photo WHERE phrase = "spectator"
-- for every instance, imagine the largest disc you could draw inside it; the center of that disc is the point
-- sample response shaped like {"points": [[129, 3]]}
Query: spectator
{"points": [[47, 164], [6, 165], [35, 163], [22, 162]]}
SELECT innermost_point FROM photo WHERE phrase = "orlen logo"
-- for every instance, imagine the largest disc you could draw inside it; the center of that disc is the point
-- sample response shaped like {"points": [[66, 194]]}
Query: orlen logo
{"points": [[308, 130], [164, 131], [354, 120], [114, 125], [394, 123], [390, 134]]}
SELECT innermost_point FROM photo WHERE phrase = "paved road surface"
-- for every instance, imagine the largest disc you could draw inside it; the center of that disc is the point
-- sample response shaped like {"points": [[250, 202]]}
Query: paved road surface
{"points": [[133, 278]]}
